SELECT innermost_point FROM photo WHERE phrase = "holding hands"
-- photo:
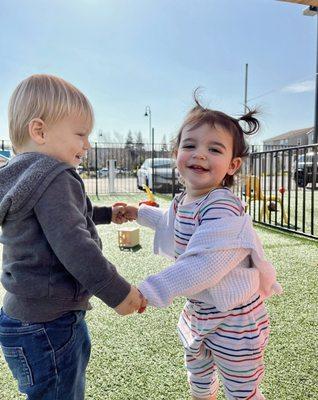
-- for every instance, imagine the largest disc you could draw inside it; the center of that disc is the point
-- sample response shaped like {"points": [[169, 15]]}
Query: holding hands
{"points": [[135, 301], [121, 213]]}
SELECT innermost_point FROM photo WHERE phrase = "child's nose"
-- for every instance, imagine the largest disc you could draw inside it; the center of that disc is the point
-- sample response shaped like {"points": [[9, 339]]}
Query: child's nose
{"points": [[87, 145], [199, 154]]}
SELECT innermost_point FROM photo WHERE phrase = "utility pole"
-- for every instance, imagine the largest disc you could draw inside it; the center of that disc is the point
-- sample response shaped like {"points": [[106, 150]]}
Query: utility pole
{"points": [[245, 91], [316, 97]]}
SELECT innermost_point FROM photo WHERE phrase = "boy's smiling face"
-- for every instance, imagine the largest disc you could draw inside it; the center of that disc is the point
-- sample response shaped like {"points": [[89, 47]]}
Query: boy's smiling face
{"points": [[67, 139]]}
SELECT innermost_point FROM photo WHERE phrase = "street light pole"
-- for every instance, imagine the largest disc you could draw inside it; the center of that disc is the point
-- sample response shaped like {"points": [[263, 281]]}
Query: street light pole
{"points": [[314, 160], [148, 114], [245, 92], [316, 97], [153, 158], [313, 11], [152, 144]]}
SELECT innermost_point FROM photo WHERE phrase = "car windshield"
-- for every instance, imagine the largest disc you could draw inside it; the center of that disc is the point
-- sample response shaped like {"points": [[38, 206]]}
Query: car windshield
{"points": [[309, 158], [161, 163]]}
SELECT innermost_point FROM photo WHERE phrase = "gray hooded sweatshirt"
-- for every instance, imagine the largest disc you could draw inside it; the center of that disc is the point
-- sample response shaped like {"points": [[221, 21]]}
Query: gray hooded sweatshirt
{"points": [[52, 254]]}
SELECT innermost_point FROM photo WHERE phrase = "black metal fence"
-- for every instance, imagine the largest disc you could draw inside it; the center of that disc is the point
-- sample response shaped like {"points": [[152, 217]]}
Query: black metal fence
{"points": [[121, 168], [278, 185], [279, 188]]}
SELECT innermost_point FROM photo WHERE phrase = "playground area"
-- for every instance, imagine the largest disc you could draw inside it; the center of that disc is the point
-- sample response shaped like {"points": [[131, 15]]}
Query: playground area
{"points": [[140, 358]]}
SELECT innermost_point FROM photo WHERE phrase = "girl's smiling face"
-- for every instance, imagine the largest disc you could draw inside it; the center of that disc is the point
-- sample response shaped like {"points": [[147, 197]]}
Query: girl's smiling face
{"points": [[204, 158]]}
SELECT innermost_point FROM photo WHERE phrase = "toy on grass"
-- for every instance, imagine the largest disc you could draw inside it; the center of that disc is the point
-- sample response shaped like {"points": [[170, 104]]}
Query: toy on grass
{"points": [[150, 198], [272, 206], [269, 202], [128, 237]]}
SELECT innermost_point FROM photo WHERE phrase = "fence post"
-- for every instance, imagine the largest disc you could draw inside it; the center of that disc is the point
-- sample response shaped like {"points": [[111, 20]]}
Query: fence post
{"points": [[152, 158], [111, 175], [173, 187], [96, 170]]}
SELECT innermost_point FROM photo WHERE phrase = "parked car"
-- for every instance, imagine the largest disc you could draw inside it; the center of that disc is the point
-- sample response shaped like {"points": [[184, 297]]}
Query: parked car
{"points": [[5, 156], [303, 169], [158, 177], [80, 170], [3, 160], [103, 172]]}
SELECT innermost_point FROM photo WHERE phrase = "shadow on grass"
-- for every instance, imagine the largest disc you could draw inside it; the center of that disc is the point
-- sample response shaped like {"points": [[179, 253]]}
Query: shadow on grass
{"points": [[131, 249]]}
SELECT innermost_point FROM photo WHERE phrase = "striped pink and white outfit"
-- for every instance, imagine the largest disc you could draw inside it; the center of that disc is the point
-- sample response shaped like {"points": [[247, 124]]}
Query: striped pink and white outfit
{"points": [[220, 267]]}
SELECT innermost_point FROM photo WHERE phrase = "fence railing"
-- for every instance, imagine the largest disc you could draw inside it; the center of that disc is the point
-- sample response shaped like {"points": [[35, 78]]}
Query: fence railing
{"points": [[126, 168], [278, 185], [279, 188]]}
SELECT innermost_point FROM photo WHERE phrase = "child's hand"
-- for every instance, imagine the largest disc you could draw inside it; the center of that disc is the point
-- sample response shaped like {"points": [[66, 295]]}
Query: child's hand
{"points": [[133, 302], [143, 305], [118, 213], [131, 213], [122, 213]]}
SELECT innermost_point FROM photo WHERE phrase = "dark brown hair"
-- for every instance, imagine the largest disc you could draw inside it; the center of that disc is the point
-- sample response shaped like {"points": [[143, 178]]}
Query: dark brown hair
{"points": [[199, 116]]}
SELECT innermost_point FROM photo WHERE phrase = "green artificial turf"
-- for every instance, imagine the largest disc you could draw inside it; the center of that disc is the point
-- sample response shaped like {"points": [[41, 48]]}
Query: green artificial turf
{"points": [[139, 357]]}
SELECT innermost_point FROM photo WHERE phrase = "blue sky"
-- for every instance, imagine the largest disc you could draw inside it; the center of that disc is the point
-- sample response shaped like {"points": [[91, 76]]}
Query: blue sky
{"points": [[126, 54]]}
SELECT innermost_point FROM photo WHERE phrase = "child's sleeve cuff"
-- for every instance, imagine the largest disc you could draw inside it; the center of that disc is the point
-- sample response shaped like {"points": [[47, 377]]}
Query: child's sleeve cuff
{"points": [[149, 216]]}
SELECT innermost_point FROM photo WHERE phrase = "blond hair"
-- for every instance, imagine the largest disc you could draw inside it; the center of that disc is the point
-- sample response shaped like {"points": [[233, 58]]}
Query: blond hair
{"points": [[46, 97]]}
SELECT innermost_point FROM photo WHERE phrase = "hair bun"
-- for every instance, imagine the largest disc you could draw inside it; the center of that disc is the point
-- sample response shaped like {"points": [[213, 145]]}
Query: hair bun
{"points": [[252, 124]]}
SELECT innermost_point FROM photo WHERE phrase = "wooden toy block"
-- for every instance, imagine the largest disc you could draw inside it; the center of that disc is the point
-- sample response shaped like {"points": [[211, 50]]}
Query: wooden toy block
{"points": [[128, 237]]}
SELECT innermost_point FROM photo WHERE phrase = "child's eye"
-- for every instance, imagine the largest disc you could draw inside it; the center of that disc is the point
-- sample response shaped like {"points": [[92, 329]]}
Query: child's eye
{"points": [[188, 146], [214, 150], [81, 134]]}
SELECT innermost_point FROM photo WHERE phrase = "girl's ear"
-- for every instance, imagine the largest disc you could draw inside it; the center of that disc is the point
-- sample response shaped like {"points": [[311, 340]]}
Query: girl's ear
{"points": [[36, 127], [235, 164]]}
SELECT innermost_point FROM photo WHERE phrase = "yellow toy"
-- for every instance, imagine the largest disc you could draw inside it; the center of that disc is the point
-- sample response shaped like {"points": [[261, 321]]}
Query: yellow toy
{"points": [[150, 198], [253, 192]]}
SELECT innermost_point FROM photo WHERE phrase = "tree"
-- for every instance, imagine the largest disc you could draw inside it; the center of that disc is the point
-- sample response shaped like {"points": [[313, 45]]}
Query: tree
{"points": [[164, 146], [140, 149], [129, 144], [118, 137], [140, 146], [130, 148], [172, 141]]}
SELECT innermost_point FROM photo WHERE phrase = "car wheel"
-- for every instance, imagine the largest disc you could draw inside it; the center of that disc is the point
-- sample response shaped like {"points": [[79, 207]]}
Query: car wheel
{"points": [[146, 182], [300, 180], [138, 184]]}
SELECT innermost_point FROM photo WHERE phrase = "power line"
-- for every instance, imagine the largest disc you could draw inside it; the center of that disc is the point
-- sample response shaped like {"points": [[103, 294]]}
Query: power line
{"points": [[279, 88]]}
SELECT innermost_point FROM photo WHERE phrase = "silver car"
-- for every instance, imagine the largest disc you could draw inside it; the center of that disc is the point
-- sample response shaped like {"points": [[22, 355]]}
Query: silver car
{"points": [[159, 175]]}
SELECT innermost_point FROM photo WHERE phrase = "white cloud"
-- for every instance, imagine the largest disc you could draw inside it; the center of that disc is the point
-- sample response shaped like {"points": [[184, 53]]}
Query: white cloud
{"points": [[300, 87]]}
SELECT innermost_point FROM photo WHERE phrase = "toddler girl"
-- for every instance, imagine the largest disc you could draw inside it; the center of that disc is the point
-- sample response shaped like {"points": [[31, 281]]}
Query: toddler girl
{"points": [[219, 262]]}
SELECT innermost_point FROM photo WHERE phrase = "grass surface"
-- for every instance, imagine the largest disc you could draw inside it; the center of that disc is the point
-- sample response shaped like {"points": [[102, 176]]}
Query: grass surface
{"points": [[140, 358]]}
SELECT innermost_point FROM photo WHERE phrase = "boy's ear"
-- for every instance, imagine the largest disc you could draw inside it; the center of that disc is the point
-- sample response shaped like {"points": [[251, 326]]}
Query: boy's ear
{"points": [[36, 130], [235, 164]]}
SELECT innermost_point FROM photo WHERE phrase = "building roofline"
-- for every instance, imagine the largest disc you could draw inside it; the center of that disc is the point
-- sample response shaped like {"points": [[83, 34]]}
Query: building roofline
{"points": [[290, 134]]}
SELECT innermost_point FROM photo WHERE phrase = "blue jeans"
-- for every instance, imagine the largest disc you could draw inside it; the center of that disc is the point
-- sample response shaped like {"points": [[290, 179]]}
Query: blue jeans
{"points": [[49, 359]]}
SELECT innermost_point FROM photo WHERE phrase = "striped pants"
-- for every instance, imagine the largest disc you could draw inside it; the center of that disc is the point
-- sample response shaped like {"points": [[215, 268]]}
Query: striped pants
{"points": [[230, 344]]}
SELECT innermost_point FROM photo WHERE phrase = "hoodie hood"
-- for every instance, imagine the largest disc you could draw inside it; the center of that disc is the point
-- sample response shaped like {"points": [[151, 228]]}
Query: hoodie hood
{"points": [[23, 180]]}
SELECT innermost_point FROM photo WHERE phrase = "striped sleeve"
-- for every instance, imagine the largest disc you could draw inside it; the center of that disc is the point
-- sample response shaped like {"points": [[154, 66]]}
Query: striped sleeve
{"points": [[222, 203]]}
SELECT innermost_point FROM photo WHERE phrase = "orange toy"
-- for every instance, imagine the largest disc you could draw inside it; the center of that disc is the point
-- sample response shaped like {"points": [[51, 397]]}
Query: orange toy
{"points": [[150, 198]]}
